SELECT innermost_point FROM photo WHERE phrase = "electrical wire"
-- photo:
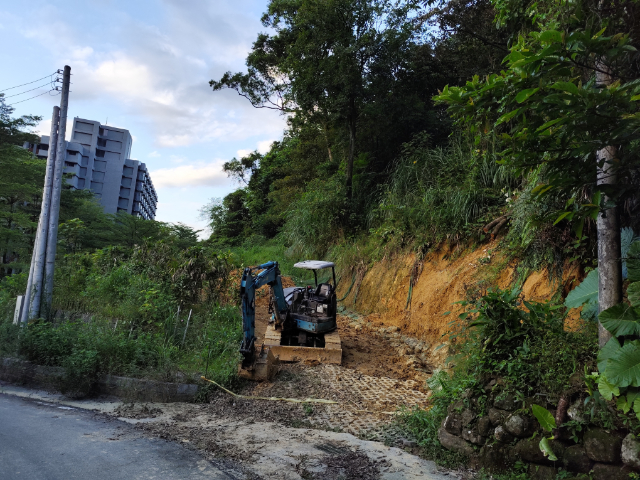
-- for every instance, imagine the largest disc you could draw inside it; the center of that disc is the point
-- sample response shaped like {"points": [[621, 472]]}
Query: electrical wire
{"points": [[15, 103], [29, 83], [22, 93]]}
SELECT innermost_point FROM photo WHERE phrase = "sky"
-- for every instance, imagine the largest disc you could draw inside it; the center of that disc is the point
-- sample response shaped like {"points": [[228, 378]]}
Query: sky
{"points": [[145, 65]]}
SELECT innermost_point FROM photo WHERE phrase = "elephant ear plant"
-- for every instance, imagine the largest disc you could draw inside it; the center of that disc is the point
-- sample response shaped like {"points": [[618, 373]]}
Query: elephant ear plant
{"points": [[619, 359], [618, 374]]}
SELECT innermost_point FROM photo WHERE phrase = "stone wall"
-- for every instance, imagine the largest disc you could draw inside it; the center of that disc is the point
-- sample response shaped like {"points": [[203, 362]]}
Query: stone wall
{"points": [[22, 372], [508, 433]]}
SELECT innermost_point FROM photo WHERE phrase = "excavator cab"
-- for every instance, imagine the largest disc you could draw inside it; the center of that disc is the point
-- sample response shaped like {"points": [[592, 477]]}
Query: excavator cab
{"points": [[312, 309]]}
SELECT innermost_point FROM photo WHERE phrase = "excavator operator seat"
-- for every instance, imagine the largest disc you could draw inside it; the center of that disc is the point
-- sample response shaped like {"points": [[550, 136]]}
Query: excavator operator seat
{"points": [[323, 292]]}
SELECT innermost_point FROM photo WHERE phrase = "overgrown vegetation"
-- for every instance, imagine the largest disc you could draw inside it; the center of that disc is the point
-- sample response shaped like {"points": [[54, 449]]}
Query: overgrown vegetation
{"points": [[500, 337]]}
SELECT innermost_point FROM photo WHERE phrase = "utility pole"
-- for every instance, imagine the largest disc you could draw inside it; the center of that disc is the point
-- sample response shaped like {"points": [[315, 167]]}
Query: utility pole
{"points": [[56, 192], [34, 284]]}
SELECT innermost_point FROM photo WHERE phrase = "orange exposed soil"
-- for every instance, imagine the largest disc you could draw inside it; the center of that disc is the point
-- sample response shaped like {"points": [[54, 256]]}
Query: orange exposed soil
{"points": [[445, 278]]}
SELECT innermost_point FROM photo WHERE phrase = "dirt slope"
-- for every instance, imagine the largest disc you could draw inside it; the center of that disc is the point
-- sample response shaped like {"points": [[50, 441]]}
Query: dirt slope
{"points": [[443, 278]]}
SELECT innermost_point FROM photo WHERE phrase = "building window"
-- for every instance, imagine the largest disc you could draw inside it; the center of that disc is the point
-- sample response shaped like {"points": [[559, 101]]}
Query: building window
{"points": [[81, 183], [102, 142], [125, 192], [123, 202], [96, 187], [83, 172], [126, 182], [97, 176], [85, 161], [100, 153], [127, 171], [100, 166]]}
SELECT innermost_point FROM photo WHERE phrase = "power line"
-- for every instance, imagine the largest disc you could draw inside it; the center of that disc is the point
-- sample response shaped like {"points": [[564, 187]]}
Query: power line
{"points": [[29, 83], [15, 103], [22, 93]]}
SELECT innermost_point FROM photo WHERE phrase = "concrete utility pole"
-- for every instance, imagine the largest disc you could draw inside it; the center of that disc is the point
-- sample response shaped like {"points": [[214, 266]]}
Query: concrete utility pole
{"points": [[36, 272], [608, 225], [56, 192]]}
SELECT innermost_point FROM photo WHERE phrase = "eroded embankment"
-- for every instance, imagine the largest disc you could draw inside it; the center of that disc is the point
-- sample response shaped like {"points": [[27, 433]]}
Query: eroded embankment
{"points": [[440, 279]]}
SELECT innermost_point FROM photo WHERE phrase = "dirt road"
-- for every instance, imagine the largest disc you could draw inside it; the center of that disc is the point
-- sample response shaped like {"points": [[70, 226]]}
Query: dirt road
{"points": [[245, 434]]}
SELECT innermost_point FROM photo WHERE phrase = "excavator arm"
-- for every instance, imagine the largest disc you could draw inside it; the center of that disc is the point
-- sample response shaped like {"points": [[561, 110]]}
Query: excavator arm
{"points": [[269, 275]]}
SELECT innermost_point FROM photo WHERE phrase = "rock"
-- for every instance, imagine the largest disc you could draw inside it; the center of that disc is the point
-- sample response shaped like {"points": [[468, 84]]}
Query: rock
{"points": [[502, 435], [497, 416], [575, 459], [411, 342], [575, 412], [472, 435], [631, 451], [542, 472], [467, 416], [408, 443], [496, 457], [529, 451], [506, 402], [603, 471], [518, 425], [602, 446], [456, 444], [484, 426], [489, 386], [452, 424]]}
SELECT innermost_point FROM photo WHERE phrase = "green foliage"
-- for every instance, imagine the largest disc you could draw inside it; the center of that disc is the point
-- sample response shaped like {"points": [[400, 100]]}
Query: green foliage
{"points": [[544, 417], [313, 221], [496, 337], [586, 292], [438, 193]]}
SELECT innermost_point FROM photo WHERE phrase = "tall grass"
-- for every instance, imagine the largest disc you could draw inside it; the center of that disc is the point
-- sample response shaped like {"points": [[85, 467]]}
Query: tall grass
{"points": [[438, 193]]}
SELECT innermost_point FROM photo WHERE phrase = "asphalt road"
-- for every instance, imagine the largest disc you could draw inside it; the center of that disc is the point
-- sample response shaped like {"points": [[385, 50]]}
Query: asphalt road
{"points": [[40, 441]]}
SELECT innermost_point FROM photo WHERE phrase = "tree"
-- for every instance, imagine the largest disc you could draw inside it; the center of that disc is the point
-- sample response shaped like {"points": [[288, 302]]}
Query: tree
{"points": [[554, 116], [20, 189], [324, 61]]}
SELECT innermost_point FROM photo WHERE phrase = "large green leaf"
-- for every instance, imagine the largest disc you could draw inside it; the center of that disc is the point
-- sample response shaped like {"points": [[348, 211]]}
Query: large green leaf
{"points": [[633, 293], [546, 420], [624, 369], [525, 94], [610, 350], [586, 292], [607, 389], [547, 451], [620, 320], [633, 262]]}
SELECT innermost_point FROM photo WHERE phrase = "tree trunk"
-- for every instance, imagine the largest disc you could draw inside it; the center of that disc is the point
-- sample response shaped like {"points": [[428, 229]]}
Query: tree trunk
{"points": [[608, 223], [352, 148]]}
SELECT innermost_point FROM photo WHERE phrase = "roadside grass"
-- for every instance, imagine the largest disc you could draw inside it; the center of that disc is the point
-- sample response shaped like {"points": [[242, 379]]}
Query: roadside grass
{"points": [[90, 348]]}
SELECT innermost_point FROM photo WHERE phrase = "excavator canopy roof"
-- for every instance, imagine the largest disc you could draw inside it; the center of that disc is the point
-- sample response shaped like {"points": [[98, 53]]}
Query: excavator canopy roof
{"points": [[314, 264]]}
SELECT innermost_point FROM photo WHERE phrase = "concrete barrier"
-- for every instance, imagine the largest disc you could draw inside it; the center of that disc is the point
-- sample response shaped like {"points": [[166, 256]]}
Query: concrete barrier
{"points": [[23, 372]]}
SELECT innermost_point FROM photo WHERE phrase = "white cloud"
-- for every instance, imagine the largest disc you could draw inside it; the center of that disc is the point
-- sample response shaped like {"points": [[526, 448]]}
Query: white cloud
{"points": [[265, 146], [154, 154], [243, 153], [190, 176]]}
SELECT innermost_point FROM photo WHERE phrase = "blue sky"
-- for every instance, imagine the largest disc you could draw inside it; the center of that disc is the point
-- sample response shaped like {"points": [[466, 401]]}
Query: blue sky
{"points": [[145, 66]]}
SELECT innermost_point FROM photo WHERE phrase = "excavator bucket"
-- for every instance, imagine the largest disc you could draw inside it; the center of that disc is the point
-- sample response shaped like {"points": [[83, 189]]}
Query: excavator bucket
{"points": [[264, 366]]}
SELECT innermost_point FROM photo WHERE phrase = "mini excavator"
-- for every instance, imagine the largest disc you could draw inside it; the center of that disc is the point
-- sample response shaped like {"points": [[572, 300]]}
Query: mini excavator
{"points": [[302, 326]]}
